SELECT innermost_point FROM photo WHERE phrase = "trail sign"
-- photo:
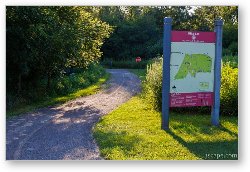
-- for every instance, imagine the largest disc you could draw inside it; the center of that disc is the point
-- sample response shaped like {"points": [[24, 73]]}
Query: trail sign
{"points": [[191, 70]]}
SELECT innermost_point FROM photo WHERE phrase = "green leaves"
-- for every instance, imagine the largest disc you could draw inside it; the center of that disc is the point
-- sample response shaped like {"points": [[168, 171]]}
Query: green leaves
{"points": [[152, 86], [138, 29], [44, 41], [229, 90]]}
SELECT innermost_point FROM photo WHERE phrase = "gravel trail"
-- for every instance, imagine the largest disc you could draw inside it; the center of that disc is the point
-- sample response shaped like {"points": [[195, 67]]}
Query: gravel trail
{"points": [[64, 132]]}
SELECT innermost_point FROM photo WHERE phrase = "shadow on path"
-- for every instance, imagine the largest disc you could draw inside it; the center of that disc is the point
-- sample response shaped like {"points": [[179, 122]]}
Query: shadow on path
{"points": [[65, 131]]}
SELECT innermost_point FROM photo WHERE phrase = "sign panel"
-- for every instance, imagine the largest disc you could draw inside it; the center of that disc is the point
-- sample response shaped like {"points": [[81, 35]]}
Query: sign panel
{"points": [[192, 68]]}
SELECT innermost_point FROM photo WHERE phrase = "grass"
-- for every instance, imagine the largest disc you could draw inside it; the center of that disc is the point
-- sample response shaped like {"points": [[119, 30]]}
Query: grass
{"points": [[141, 73], [133, 132], [92, 89]]}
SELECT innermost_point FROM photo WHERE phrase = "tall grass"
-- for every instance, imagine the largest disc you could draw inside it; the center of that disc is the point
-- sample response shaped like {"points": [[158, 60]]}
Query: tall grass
{"points": [[152, 85]]}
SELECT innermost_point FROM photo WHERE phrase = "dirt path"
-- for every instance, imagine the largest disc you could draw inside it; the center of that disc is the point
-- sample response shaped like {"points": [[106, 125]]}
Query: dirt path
{"points": [[65, 132]]}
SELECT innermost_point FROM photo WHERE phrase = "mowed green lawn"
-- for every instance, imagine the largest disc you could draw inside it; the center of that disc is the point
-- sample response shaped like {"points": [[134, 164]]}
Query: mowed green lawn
{"points": [[133, 132]]}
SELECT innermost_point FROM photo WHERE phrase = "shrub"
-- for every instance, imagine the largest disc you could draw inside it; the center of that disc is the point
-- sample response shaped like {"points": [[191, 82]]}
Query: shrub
{"points": [[80, 79], [60, 86], [229, 90], [152, 86], [231, 60], [152, 89]]}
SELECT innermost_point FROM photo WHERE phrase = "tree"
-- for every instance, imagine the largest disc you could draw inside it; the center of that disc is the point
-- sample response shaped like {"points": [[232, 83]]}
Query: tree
{"points": [[44, 41], [138, 30], [204, 17]]}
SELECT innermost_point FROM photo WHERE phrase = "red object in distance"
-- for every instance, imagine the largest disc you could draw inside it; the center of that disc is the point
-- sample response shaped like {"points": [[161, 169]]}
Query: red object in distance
{"points": [[138, 59]]}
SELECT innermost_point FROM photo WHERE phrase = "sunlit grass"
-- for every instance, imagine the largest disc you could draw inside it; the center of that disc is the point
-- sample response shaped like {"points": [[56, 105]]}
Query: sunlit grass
{"points": [[133, 132], [92, 89]]}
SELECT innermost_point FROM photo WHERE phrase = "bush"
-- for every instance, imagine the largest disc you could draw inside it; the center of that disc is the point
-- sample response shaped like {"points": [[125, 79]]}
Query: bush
{"points": [[79, 80], [231, 60], [152, 86], [229, 90], [60, 86], [232, 49], [152, 89]]}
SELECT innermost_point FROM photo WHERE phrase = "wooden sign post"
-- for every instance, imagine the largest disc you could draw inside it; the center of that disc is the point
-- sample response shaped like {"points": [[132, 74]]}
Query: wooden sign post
{"points": [[191, 70]]}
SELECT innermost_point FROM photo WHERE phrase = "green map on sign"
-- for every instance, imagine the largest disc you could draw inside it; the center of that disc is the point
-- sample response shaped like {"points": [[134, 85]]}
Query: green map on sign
{"points": [[193, 64]]}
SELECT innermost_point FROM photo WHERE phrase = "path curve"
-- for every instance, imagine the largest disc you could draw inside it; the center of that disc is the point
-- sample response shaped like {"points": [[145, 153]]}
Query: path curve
{"points": [[65, 132]]}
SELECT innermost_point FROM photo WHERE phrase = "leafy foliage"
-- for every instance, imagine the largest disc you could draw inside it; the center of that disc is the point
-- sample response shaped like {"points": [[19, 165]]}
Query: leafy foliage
{"points": [[133, 38], [231, 60], [44, 42], [138, 30], [229, 90], [152, 85], [67, 84], [204, 18], [67, 87]]}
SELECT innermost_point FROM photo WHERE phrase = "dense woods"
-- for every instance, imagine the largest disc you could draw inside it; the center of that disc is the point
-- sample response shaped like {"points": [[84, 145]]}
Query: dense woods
{"points": [[138, 30], [45, 44]]}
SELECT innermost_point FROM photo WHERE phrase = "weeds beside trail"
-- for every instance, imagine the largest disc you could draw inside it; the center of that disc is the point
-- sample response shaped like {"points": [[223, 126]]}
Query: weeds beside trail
{"points": [[78, 84]]}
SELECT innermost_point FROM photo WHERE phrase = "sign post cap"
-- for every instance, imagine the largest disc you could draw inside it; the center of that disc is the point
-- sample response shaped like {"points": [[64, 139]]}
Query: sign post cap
{"points": [[167, 20], [218, 22]]}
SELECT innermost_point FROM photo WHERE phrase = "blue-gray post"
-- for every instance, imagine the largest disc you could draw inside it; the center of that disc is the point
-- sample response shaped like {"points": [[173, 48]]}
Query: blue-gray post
{"points": [[166, 72], [217, 73]]}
